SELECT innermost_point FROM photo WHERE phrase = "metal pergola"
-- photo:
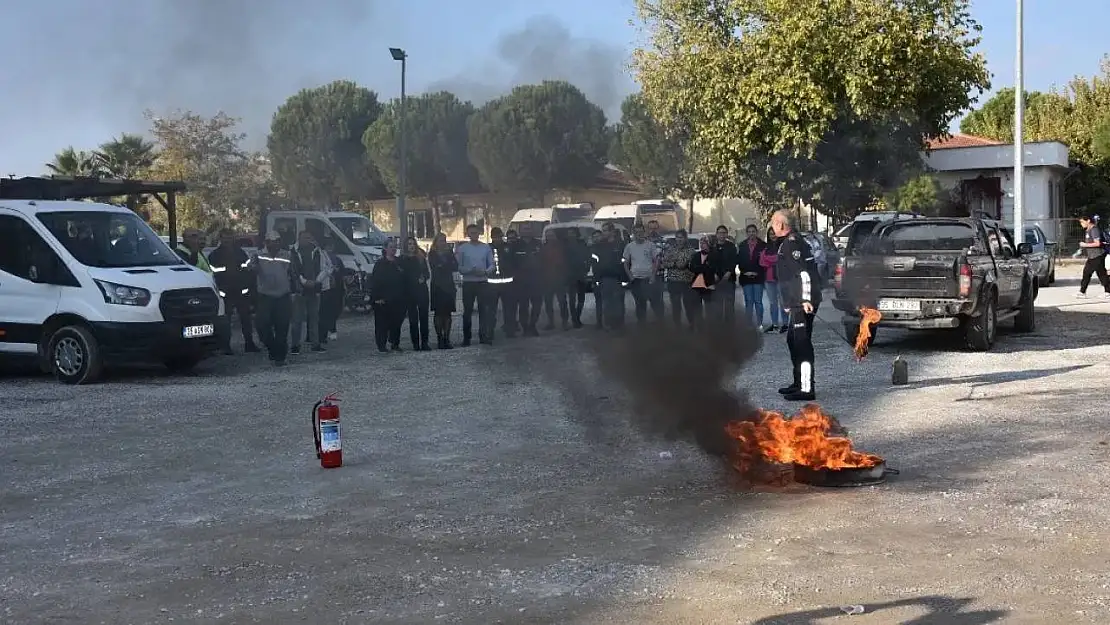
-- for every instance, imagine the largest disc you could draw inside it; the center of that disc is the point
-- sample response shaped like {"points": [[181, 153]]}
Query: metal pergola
{"points": [[83, 188]]}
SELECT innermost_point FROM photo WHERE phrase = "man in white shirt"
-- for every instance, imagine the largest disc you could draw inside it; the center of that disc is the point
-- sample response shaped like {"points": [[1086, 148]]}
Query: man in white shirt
{"points": [[641, 263]]}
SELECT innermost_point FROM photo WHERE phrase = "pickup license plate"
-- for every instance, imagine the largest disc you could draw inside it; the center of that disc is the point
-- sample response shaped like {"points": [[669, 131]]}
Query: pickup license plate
{"points": [[196, 332], [899, 305]]}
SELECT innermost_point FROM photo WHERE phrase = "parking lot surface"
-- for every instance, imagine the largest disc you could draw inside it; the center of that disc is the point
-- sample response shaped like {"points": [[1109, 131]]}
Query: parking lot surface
{"points": [[474, 491]]}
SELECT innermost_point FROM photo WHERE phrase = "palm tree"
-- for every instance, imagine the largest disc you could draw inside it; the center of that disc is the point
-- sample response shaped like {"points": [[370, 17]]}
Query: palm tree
{"points": [[71, 162], [125, 156]]}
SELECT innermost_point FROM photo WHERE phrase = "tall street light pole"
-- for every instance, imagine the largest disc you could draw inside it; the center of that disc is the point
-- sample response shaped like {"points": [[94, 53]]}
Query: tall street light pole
{"points": [[402, 171], [1019, 131]]}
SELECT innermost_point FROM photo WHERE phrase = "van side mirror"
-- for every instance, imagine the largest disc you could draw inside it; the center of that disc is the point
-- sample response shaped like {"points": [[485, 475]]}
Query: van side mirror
{"points": [[1024, 249]]}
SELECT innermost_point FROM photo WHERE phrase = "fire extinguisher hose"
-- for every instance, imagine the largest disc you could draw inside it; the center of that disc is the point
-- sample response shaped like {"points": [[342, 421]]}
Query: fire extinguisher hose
{"points": [[315, 425]]}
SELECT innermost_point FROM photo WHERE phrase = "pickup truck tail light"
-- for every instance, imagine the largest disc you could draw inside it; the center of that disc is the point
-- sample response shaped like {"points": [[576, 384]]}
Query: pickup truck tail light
{"points": [[838, 277], [965, 280]]}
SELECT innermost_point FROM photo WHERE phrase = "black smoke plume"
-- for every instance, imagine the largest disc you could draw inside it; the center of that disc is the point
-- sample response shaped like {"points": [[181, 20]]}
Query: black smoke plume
{"points": [[668, 382]]}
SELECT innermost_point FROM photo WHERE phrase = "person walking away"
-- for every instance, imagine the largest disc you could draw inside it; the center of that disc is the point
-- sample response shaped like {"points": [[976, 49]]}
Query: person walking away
{"points": [[726, 257], [641, 263], [554, 264], [1094, 246], [751, 276], [387, 285], [611, 276], [501, 284], [767, 260], [528, 280], [189, 249], [229, 264], [801, 296], [274, 286], [414, 263], [331, 300], [442, 266], [678, 277], [578, 259], [475, 264], [703, 281]]}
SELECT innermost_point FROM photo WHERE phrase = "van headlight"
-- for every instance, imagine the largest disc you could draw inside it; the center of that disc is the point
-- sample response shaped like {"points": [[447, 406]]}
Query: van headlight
{"points": [[123, 295]]}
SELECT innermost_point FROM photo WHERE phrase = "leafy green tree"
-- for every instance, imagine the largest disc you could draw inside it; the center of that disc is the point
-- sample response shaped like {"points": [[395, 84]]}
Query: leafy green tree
{"points": [[71, 162], [125, 156], [436, 140], [206, 153], [920, 194], [754, 77], [995, 119], [315, 143], [538, 138], [646, 150]]}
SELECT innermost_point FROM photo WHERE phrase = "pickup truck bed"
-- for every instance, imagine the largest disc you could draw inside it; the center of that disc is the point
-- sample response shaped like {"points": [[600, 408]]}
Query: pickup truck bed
{"points": [[960, 274]]}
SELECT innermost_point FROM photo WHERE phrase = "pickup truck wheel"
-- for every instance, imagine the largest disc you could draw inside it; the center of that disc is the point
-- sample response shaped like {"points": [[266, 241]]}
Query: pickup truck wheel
{"points": [[979, 331], [73, 354], [1026, 321]]}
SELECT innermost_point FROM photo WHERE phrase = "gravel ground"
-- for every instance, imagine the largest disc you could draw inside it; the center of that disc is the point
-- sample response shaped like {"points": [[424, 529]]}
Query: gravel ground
{"points": [[468, 496]]}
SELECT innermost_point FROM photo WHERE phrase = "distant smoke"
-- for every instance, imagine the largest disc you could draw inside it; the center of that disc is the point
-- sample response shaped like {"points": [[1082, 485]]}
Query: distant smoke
{"points": [[544, 49]]}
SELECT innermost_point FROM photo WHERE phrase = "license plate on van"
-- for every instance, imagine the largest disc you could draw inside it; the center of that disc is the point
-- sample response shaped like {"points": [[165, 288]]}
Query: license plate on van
{"points": [[196, 332], [900, 305]]}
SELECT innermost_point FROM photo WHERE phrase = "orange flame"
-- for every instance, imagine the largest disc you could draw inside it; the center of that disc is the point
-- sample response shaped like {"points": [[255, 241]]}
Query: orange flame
{"points": [[810, 439], [868, 318]]}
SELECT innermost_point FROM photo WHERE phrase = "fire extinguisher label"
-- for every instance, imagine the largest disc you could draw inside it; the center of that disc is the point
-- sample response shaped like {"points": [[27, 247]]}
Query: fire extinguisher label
{"points": [[329, 436]]}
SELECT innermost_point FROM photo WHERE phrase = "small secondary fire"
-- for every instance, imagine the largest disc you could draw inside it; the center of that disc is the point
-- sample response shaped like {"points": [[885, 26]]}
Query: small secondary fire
{"points": [[867, 318], [811, 439]]}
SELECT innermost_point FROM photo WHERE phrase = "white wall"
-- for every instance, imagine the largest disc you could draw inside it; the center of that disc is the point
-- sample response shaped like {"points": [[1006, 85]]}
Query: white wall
{"points": [[734, 213], [1044, 154], [1037, 200]]}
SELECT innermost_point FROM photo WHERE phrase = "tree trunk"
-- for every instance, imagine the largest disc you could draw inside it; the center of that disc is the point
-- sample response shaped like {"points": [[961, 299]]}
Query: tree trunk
{"points": [[690, 216]]}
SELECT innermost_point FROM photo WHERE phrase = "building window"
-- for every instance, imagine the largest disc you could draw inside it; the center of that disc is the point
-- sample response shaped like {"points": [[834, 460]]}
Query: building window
{"points": [[420, 223]]}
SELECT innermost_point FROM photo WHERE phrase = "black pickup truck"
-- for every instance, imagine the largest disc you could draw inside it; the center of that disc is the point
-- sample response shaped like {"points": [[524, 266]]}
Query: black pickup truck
{"points": [[933, 273]]}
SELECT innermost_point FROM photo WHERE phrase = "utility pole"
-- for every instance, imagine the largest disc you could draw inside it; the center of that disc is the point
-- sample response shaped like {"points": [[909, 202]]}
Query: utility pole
{"points": [[1019, 131], [402, 171]]}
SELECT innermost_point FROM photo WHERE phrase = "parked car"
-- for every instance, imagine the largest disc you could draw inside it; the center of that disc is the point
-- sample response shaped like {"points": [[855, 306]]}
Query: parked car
{"points": [[962, 274], [1045, 267]]}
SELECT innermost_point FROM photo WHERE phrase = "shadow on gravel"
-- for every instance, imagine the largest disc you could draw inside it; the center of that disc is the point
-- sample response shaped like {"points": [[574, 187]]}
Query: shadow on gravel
{"points": [[987, 379], [943, 610]]}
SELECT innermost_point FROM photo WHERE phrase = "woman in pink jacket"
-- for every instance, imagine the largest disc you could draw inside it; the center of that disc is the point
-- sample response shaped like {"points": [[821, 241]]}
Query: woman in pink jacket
{"points": [[767, 260]]}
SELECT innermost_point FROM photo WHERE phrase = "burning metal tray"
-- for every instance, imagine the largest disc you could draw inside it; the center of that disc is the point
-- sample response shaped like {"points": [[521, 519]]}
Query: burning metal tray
{"points": [[843, 478]]}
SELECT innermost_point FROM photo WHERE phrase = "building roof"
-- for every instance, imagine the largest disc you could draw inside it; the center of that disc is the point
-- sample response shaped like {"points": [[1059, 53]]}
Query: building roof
{"points": [[612, 179], [961, 141]]}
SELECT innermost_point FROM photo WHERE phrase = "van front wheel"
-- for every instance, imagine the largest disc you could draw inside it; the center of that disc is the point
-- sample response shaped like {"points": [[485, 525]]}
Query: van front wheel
{"points": [[73, 355]]}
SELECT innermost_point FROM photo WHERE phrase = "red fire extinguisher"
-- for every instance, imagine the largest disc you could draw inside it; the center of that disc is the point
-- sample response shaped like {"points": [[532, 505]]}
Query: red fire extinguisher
{"points": [[325, 431]]}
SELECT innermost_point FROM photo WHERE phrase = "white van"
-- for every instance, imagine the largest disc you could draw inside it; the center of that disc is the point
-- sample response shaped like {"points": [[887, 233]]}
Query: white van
{"points": [[532, 220], [623, 215], [642, 211], [86, 285], [358, 242]]}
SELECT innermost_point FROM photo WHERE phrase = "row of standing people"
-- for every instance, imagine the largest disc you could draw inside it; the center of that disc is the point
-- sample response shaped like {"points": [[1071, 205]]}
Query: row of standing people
{"points": [[298, 292]]}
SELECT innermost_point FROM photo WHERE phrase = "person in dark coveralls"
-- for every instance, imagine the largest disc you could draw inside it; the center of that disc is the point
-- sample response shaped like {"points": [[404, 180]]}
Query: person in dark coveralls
{"points": [[528, 281], [554, 263], [415, 265], [801, 296], [578, 258], [725, 257], [594, 258], [387, 287], [610, 275], [442, 263], [501, 283], [475, 264], [273, 271], [229, 264]]}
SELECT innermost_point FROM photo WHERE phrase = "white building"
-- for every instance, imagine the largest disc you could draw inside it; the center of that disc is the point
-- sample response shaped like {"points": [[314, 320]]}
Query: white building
{"points": [[980, 172]]}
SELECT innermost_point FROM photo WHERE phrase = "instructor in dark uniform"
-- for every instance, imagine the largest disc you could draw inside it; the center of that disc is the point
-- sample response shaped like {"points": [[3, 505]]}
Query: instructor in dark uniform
{"points": [[801, 295]]}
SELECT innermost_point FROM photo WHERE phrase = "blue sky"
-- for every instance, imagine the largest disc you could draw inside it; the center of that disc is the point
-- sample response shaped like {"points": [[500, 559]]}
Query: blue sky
{"points": [[79, 72]]}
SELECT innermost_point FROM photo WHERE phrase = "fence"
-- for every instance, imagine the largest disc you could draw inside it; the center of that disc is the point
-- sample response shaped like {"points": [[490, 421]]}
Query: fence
{"points": [[1066, 233]]}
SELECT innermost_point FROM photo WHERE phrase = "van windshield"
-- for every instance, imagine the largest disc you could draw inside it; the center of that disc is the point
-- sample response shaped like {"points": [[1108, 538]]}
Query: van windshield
{"points": [[109, 239], [359, 230]]}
